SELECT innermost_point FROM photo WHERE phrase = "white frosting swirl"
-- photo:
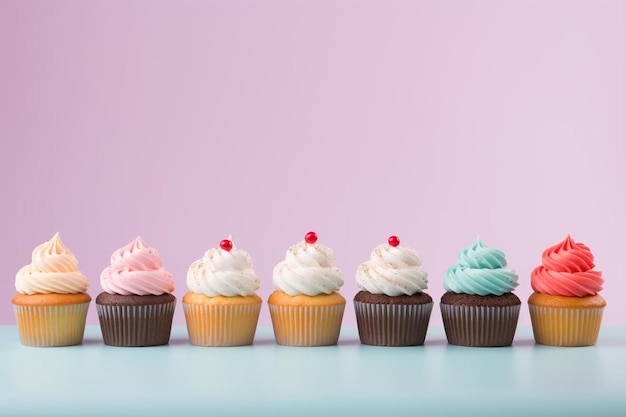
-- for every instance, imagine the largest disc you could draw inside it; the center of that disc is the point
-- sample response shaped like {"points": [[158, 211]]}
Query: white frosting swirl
{"points": [[308, 269], [221, 272], [54, 269], [392, 271]]}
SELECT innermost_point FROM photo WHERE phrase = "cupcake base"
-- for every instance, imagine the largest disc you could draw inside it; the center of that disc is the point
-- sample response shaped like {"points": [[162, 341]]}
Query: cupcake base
{"points": [[383, 320], [303, 320], [135, 320], [51, 320], [480, 321], [566, 321], [221, 321]]}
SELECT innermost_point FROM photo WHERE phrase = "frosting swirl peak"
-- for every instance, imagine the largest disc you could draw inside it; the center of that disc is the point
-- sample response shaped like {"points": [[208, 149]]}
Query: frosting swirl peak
{"points": [[393, 271], [54, 269], [480, 270], [566, 269], [309, 269], [223, 272], [136, 269]]}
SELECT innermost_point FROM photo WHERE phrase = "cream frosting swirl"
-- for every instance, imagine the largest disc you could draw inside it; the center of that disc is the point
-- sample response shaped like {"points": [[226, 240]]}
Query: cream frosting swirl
{"points": [[223, 272], [308, 269], [136, 269], [54, 269], [393, 271]]}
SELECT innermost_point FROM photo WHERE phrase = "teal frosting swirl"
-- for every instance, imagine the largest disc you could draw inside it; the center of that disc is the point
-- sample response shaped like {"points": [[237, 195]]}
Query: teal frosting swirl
{"points": [[480, 270]]}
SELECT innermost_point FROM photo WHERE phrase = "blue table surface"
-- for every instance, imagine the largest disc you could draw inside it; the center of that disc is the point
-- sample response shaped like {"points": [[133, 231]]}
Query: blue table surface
{"points": [[267, 379]]}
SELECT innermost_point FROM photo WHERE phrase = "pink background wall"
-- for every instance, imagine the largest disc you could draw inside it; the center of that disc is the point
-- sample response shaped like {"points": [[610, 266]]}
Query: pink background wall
{"points": [[186, 121]]}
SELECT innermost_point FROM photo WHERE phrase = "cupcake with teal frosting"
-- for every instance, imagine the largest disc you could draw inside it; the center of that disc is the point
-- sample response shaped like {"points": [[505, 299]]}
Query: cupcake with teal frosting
{"points": [[479, 307]]}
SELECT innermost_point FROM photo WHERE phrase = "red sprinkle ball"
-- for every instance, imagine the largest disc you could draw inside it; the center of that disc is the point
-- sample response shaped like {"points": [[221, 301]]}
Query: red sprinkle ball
{"points": [[226, 245], [310, 237], [393, 241]]}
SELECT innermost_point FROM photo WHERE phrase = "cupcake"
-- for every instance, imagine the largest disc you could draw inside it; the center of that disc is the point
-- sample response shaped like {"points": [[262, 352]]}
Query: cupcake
{"points": [[136, 307], [306, 308], [391, 308], [221, 307], [479, 308], [566, 309], [51, 304]]}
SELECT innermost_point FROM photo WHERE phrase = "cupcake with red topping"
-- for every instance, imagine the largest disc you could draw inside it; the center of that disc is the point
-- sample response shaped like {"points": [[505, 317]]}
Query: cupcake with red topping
{"points": [[221, 306], [392, 308], [51, 302], [566, 309], [306, 308], [137, 305]]}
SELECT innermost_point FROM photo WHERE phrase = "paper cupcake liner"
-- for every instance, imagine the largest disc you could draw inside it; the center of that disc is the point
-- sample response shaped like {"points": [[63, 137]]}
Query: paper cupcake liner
{"points": [[480, 325], [556, 326], [140, 325], [392, 325], [47, 326], [307, 326], [227, 325]]}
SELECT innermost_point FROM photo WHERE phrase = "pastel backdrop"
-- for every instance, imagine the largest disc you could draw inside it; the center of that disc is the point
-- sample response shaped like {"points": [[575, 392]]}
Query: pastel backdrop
{"points": [[186, 121]]}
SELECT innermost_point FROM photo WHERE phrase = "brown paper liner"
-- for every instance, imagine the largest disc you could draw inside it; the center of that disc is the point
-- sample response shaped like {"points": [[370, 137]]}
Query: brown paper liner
{"points": [[306, 325], [221, 325], [557, 326], [48, 326], [392, 324], [480, 326], [136, 325]]}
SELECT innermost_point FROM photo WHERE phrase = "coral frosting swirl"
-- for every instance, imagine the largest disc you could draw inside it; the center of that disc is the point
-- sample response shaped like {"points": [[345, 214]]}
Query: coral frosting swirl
{"points": [[221, 272], [136, 269], [54, 269], [567, 270], [308, 269], [392, 271], [480, 270]]}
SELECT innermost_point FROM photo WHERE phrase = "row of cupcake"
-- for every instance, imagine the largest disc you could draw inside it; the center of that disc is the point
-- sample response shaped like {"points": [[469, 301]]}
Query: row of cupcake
{"points": [[479, 307], [221, 308]]}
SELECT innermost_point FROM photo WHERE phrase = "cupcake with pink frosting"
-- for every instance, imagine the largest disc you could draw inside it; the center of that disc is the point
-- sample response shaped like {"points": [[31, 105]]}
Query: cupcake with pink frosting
{"points": [[137, 305], [566, 307]]}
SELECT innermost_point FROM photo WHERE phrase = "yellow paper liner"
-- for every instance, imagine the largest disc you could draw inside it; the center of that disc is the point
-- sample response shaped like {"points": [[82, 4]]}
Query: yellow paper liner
{"points": [[307, 325], [221, 325], [48, 326], [556, 326]]}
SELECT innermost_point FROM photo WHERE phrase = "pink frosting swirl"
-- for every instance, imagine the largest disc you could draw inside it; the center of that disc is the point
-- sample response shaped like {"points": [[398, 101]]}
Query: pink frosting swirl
{"points": [[136, 269], [567, 270]]}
